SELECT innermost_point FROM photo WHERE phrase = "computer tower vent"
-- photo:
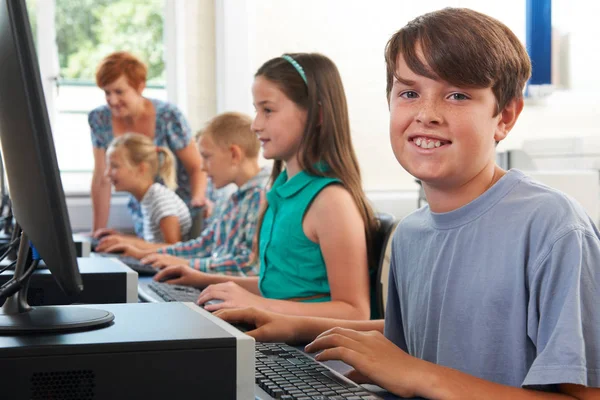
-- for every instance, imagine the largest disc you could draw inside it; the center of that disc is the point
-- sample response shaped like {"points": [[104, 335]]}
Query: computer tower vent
{"points": [[63, 385]]}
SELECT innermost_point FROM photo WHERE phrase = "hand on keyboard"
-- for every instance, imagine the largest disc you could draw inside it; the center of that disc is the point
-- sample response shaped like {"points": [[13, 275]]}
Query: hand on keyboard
{"points": [[284, 372], [233, 296], [266, 326], [108, 241], [102, 232], [128, 250], [163, 260], [183, 275], [372, 355]]}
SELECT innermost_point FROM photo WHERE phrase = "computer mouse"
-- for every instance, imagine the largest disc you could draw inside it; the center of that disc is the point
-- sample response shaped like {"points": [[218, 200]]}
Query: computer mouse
{"points": [[211, 302], [244, 327]]}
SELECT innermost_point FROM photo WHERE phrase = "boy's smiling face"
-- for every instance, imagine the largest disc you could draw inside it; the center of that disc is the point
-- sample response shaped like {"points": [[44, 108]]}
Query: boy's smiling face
{"points": [[442, 134]]}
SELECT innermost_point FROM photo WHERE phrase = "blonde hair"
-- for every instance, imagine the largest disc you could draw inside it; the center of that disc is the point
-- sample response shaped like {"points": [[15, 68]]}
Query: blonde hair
{"points": [[232, 128], [141, 149]]}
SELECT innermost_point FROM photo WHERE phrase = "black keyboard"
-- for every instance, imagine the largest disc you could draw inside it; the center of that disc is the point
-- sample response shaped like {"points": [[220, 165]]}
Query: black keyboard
{"points": [[137, 266], [133, 263], [168, 292], [286, 373]]}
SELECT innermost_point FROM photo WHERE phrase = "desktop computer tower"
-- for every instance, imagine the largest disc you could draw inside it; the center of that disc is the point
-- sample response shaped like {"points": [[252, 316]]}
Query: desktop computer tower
{"points": [[150, 351], [83, 244], [104, 280]]}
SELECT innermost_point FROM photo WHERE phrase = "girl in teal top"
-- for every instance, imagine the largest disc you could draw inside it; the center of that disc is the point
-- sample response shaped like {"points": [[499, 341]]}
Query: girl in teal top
{"points": [[316, 225]]}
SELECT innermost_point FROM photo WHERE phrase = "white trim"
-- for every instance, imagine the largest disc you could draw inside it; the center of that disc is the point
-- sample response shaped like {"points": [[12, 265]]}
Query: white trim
{"points": [[48, 54], [175, 64], [235, 67], [244, 353]]}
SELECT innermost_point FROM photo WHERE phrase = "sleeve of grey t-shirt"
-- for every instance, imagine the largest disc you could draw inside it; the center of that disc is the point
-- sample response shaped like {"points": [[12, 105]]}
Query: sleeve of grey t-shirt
{"points": [[564, 312], [393, 328]]}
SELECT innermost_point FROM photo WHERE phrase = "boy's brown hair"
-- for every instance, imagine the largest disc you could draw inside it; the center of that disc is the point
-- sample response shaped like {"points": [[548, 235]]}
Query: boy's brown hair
{"points": [[462, 47], [232, 128]]}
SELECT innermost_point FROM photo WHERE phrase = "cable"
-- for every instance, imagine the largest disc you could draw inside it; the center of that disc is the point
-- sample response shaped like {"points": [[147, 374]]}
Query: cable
{"points": [[11, 287], [9, 266], [8, 248], [10, 244]]}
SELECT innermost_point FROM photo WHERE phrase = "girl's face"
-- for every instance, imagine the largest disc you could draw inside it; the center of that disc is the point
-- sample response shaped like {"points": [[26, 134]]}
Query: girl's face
{"points": [[279, 122], [122, 174], [123, 99]]}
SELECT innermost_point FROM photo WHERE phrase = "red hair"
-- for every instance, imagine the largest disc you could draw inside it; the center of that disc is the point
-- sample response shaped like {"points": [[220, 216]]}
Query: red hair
{"points": [[115, 65]]}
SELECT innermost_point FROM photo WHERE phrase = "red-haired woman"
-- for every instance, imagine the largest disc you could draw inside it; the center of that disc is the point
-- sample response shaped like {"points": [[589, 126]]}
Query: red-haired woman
{"points": [[122, 76]]}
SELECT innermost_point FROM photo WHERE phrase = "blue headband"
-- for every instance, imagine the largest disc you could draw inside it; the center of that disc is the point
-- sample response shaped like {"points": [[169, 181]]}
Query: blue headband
{"points": [[297, 66]]}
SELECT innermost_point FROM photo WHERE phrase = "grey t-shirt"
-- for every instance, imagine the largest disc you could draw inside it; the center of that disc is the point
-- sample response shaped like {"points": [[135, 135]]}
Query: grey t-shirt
{"points": [[505, 288]]}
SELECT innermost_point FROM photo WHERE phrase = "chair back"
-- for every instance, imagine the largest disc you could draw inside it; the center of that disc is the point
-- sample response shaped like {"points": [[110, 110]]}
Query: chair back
{"points": [[381, 239], [197, 214]]}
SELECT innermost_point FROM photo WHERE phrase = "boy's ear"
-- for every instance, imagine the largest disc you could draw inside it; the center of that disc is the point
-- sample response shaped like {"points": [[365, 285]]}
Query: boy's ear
{"points": [[508, 118], [237, 154]]}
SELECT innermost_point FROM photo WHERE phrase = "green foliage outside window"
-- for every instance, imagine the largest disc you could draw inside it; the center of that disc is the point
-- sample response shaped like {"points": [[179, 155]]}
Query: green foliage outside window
{"points": [[88, 30]]}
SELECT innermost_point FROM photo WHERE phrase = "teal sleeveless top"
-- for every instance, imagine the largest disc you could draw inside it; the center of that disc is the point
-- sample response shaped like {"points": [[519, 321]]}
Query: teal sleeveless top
{"points": [[291, 265]]}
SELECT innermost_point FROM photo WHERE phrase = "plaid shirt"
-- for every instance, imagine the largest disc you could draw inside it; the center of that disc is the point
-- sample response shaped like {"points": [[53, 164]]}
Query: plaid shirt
{"points": [[226, 244]]}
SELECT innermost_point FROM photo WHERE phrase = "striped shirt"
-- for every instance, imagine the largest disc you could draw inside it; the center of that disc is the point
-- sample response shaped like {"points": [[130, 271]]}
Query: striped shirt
{"points": [[225, 245], [160, 202]]}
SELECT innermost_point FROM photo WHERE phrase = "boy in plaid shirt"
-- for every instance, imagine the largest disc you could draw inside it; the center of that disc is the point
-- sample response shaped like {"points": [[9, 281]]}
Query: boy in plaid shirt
{"points": [[229, 151]]}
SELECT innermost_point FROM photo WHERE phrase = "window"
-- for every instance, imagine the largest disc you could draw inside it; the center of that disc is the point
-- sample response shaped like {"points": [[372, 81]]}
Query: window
{"points": [[85, 32]]}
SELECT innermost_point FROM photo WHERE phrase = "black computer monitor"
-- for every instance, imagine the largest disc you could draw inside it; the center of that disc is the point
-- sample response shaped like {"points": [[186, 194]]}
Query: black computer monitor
{"points": [[35, 188]]}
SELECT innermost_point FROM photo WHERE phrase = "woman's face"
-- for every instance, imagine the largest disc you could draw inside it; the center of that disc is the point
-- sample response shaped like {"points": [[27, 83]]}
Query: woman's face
{"points": [[123, 99]]}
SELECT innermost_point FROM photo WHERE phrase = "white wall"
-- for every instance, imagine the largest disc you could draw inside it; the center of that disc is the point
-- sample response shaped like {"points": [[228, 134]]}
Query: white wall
{"points": [[354, 32]]}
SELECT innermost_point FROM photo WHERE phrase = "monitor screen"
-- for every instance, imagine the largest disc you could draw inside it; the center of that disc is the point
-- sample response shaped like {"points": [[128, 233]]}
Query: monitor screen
{"points": [[35, 188]]}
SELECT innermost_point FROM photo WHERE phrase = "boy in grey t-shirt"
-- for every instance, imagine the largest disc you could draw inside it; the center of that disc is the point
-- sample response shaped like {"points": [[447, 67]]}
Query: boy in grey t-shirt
{"points": [[495, 285]]}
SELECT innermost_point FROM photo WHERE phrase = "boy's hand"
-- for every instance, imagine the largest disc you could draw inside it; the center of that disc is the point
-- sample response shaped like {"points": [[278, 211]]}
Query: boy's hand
{"points": [[163, 260], [269, 327], [233, 296], [198, 201], [372, 355], [127, 250], [99, 233], [110, 241], [209, 207], [181, 275]]}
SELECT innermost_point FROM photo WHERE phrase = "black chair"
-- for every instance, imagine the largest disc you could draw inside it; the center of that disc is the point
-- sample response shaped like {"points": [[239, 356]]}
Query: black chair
{"points": [[381, 239], [197, 214]]}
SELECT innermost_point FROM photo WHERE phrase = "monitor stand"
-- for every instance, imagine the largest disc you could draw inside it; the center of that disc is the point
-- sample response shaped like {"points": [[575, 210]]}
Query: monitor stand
{"points": [[53, 319], [18, 317]]}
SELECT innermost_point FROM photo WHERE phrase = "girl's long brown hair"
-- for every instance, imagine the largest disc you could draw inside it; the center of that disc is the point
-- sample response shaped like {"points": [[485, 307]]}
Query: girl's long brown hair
{"points": [[326, 138]]}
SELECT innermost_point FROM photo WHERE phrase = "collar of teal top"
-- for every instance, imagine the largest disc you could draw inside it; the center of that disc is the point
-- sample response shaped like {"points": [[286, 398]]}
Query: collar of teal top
{"points": [[285, 187]]}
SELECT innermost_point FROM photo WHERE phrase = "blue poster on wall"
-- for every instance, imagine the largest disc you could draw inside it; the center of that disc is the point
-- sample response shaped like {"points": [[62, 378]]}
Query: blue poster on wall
{"points": [[539, 47]]}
